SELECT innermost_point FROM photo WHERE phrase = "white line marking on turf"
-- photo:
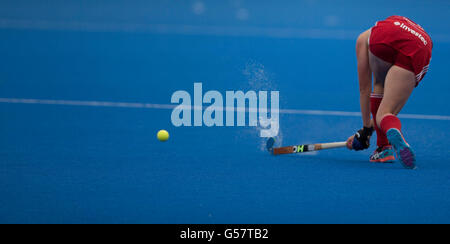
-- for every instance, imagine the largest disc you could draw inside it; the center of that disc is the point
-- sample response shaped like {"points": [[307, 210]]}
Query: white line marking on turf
{"points": [[172, 106]]}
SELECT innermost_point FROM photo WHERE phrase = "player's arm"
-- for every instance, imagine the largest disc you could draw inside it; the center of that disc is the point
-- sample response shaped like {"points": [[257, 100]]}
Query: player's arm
{"points": [[364, 77], [361, 140]]}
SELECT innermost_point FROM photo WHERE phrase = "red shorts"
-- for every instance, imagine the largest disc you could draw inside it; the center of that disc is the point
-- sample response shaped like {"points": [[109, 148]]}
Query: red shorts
{"points": [[400, 41]]}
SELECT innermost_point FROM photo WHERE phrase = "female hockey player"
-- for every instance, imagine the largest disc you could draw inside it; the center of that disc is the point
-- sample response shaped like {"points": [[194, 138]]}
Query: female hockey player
{"points": [[397, 52]]}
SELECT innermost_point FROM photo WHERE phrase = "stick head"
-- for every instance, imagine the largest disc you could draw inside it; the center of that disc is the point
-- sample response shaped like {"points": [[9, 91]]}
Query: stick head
{"points": [[270, 144]]}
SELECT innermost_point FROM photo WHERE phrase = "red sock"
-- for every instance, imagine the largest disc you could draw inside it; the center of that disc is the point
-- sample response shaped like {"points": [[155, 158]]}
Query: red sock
{"points": [[390, 122], [375, 101]]}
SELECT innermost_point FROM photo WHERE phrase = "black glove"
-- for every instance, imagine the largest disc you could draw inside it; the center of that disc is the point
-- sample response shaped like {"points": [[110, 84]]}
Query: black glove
{"points": [[362, 139]]}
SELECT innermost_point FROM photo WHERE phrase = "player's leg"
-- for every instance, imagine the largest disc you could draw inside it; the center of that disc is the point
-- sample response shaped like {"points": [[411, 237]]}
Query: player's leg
{"points": [[380, 68], [384, 152], [399, 85]]}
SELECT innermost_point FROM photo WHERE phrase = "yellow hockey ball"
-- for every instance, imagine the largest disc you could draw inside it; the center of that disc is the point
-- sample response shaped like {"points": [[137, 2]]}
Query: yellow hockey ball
{"points": [[163, 135]]}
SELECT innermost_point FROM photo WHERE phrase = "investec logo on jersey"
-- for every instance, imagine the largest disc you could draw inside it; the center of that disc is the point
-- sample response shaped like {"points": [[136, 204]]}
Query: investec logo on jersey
{"points": [[417, 34]]}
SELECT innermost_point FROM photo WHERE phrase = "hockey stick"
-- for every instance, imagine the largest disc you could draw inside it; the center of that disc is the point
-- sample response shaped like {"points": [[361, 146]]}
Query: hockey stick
{"points": [[302, 148]]}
